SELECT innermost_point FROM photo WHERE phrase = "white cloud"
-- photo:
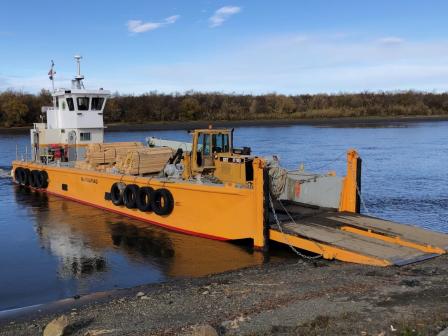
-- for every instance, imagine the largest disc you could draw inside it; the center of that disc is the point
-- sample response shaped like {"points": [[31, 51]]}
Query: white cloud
{"points": [[138, 26], [171, 19], [391, 40], [222, 14]]}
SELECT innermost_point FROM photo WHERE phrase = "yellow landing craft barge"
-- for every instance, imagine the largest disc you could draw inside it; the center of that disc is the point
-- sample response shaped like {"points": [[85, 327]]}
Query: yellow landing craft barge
{"points": [[209, 188]]}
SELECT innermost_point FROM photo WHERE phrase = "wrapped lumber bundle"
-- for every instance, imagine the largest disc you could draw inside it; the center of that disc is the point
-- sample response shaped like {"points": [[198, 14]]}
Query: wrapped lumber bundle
{"points": [[103, 167], [144, 161], [107, 153], [83, 165]]}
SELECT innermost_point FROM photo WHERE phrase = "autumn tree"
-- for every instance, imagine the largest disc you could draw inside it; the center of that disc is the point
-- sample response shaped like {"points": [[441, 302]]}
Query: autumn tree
{"points": [[189, 108], [14, 112]]}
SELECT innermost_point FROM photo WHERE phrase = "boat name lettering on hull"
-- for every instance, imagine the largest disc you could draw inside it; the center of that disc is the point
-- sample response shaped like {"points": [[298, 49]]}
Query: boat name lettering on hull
{"points": [[89, 180]]}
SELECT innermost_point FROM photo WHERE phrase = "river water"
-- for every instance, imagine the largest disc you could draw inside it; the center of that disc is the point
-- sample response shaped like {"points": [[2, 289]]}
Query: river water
{"points": [[52, 248]]}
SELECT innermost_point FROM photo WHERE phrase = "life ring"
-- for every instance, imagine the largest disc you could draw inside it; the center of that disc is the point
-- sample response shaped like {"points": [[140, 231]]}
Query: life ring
{"points": [[162, 202], [44, 176], [116, 193], [144, 197], [130, 196], [18, 175]]}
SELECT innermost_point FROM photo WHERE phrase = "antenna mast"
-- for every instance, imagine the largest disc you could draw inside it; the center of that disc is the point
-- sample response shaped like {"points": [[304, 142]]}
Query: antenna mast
{"points": [[51, 74], [77, 82]]}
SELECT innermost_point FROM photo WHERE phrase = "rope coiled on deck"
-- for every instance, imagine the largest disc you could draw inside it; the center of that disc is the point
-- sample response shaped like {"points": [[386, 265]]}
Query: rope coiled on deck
{"points": [[277, 178]]}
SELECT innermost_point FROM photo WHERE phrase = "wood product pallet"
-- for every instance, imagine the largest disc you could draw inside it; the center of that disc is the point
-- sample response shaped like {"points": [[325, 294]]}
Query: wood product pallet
{"points": [[109, 153], [144, 161]]}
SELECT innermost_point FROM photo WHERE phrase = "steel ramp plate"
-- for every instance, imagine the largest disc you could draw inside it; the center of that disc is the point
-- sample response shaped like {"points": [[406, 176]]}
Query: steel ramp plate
{"points": [[404, 231], [325, 229]]}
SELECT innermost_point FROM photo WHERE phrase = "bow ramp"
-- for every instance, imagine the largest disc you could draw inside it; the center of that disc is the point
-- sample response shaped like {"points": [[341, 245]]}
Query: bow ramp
{"points": [[320, 213], [357, 238]]}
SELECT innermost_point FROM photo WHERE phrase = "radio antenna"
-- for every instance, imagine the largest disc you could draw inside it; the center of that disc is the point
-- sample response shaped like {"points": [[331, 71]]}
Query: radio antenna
{"points": [[77, 82]]}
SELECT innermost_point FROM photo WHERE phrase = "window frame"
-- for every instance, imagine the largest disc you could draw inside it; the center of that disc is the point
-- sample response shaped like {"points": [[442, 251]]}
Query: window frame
{"points": [[88, 103], [102, 99], [71, 107], [82, 136]]}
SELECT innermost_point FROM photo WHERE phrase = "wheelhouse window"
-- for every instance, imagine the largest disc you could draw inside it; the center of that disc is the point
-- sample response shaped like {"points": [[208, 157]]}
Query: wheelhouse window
{"points": [[85, 136], [70, 104], [97, 103], [83, 103]]}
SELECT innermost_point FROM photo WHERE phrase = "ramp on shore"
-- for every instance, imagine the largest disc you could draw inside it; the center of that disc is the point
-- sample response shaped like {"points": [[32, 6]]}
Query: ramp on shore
{"points": [[358, 238]]}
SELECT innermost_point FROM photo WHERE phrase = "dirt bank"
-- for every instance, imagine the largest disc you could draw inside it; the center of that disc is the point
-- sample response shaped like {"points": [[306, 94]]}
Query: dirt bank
{"points": [[289, 298]]}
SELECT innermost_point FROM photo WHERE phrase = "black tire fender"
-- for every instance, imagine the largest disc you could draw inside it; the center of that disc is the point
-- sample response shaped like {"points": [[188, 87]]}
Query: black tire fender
{"points": [[26, 177], [162, 202], [34, 179], [116, 193], [18, 175], [144, 197], [38, 179], [44, 176], [130, 196]]}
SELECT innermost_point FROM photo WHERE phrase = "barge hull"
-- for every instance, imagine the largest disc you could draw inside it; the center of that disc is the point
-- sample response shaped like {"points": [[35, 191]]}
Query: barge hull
{"points": [[232, 212], [216, 212]]}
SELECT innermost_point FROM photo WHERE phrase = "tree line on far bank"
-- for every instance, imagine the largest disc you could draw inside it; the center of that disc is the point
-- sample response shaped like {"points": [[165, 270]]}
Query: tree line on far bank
{"points": [[20, 109]]}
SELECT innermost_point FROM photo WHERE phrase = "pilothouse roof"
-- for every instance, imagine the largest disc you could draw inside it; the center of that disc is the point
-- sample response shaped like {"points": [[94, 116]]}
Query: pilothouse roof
{"points": [[77, 84]]}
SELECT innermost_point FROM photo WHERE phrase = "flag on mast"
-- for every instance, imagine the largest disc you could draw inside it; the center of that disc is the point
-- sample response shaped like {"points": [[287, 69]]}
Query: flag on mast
{"points": [[51, 73]]}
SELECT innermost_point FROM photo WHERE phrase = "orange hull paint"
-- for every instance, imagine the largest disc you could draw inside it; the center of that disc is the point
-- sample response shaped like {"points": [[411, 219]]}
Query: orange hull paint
{"points": [[220, 212]]}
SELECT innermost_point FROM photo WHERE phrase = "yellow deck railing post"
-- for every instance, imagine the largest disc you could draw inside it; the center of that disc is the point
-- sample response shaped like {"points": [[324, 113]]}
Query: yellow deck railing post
{"points": [[350, 198], [261, 231]]}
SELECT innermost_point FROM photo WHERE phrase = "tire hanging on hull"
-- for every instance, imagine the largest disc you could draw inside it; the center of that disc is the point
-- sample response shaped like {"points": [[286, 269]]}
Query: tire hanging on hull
{"points": [[116, 193], [130, 196], [162, 202], [144, 197], [35, 178], [26, 177]]}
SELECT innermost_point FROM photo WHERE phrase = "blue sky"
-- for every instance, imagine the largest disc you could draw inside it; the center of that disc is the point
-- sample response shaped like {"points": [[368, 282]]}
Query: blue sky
{"points": [[296, 46]]}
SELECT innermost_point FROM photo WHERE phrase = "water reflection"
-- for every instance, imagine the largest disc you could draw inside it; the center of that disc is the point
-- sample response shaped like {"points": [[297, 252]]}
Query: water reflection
{"points": [[85, 240]]}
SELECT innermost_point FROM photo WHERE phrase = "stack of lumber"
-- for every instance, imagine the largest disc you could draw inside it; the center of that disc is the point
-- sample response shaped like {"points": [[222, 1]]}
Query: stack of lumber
{"points": [[109, 153], [83, 165], [144, 161]]}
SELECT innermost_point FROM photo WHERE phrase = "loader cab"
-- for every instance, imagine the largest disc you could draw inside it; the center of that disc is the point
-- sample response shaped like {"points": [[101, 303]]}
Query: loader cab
{"points": [[207, 144], [213, 154]]}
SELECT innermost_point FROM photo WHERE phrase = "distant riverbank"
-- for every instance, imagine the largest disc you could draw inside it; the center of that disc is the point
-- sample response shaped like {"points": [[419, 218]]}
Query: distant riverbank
{"points": [[187, 125]]}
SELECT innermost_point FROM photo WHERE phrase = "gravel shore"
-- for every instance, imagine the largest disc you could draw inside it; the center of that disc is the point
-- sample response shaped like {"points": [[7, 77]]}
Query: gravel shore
{"points": [[286, 298]]}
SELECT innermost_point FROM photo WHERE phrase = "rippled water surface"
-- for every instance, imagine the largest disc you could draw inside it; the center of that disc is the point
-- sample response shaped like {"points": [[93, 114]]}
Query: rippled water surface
{"points": [[52, 248]]}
